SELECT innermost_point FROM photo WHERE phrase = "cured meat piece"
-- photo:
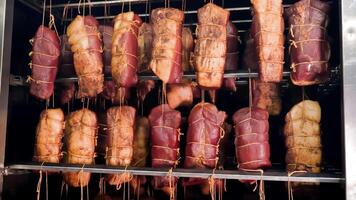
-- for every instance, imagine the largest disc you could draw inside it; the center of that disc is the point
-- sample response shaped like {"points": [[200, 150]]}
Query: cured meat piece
{"points": [[106, 34], [309, 47], [124, 49], [84, 38], [45, 54], [141, 143], [180, 94], [66, 68], [210, 48], [188, 44], [49, 133], [67, 92], [115, 94], [251, 140], [120, 135], [80, 141], [268, 34], [145, 39], [266, 96], [165, 137], [143, 88], [166, 60], [302, 137], [203, 137]]}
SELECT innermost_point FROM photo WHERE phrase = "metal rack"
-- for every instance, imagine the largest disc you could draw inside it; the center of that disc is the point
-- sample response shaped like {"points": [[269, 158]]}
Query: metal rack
{"points": [[268, 175], [348, 40]]}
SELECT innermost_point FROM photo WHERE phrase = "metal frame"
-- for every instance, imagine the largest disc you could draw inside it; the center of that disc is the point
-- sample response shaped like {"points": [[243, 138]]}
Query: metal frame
{"points": [[348, 40], [6, 21]]}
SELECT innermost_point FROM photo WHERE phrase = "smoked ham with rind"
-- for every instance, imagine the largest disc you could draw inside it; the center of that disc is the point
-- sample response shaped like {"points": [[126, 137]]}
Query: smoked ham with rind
{"points": [[166, 60], [84, 38], [44, 62], [309, 47], [210, 48], [120, 136], [124, 49], [267, 30], [165, 136], [80, 140], [251, 140], [49, 133], [302, 137]]}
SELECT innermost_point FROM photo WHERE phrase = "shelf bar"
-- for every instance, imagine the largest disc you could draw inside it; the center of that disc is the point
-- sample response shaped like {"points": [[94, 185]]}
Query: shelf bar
{"points": [[190, 75], [269, 175]]}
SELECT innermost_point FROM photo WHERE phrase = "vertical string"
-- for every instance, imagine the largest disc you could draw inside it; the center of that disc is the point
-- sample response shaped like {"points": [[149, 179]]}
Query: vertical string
{"points": [[89, 6], [130, 6], [249, 90], [303, 93], [122, 6], [46, 185], [43, 12], [79, 4], [146, 10]]}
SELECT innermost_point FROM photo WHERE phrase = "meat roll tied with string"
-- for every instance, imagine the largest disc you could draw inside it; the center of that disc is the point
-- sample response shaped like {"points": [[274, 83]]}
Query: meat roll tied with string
{"points": [[124, 50], [302, 137], [120, 122], [84, 38], [251, 138], [80, 140], [166, 60], [204, 134], [44, 62], [309, 47], [267, 30], [49, 133], [210, 48], [165, 138]]}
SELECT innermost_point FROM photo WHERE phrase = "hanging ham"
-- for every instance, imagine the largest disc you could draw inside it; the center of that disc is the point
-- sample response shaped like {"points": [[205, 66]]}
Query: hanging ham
{"points": [[267, 30], [44, 62], [84, 38], [124, 49], [309, 47], [166, 60], [80, 141], [210, 48], [49, 133]]}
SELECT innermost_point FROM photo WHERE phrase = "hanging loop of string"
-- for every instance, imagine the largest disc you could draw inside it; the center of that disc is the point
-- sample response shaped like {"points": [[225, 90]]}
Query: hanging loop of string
{"points": [[290, 188]]}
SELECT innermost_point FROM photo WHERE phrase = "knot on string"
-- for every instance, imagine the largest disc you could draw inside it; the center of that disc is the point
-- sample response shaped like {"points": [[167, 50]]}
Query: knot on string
{"points": [[123, 178]]}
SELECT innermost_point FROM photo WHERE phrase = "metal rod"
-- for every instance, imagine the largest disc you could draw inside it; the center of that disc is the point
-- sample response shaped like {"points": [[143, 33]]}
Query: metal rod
{"points": [[268, 175], [99, 3], [190, 75]]}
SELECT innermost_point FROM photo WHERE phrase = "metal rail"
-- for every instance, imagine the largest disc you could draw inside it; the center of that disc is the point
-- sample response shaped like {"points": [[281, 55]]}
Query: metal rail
{"points": [[268, 175]]}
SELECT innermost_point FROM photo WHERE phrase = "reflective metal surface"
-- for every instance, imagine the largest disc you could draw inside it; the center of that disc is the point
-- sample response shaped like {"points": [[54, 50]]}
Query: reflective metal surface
{"points": [[268, 175], [348, 22]]}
